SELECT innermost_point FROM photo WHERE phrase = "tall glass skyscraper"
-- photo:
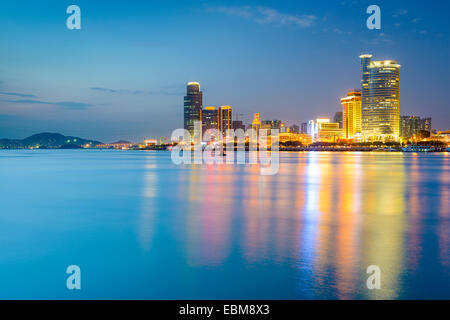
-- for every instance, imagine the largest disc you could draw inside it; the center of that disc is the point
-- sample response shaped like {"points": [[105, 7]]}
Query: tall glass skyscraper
{"points": [[193, 102], [380, 99], [366, 59]]}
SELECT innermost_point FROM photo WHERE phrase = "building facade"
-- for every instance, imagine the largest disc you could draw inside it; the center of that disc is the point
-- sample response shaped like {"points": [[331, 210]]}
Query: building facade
{"points": [[304, 128], [327, 131], [193, 102], [338, 118], [238, 124], [351, 115], [380, 99], [225, 120], [411, 125], [210, 118]]}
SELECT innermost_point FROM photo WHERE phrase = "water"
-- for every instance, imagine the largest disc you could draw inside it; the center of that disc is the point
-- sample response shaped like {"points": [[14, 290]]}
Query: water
{"points": [[140, 227]]}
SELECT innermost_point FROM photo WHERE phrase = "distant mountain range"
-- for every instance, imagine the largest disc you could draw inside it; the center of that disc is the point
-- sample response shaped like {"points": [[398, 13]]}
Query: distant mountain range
{"points": [[47, 140]]}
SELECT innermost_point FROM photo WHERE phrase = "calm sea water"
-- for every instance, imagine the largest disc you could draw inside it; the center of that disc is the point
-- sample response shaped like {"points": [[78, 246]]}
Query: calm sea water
{"points": [[140, 227]]}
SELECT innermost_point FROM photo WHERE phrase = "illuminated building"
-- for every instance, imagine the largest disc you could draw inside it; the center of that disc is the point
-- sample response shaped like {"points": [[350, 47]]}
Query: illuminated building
{"points": [[326, 131], [271, 124], [256, 123], [411, 125], [225, 120], [351, 119], [266, 125], [311, 129], [305, 139], [150, 142], [238, 124], [282, 128], [304, 127], [294, 129], [163, 140], [338, 117], [210, 119], [193, 102], [365, 75], [120, 145], [380, 99]]}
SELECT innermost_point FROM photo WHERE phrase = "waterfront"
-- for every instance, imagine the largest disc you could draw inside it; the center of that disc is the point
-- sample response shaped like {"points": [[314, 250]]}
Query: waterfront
{"points": [[142, 228]]}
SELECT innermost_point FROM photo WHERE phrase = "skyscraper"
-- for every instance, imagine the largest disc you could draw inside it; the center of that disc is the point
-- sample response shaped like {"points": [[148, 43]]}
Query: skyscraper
{"points": [[351, 115], [294, 129], [256, 123], [193, 102], [366, 59], [411, 125], [238, 124], [338, 118], [210, 119], [380, 99], [225, 120], [304, 128]]}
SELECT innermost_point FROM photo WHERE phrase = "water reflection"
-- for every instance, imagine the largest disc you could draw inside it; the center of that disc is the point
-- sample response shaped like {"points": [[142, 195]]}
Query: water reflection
{"points": [[324, 219]]}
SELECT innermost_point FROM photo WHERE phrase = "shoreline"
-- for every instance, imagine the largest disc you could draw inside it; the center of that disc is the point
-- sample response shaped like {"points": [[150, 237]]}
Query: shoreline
{"points": [[281, 150]]}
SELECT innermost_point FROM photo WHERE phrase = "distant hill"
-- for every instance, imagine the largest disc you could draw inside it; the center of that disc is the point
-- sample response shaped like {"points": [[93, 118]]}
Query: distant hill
{"points": [[47, 140]]}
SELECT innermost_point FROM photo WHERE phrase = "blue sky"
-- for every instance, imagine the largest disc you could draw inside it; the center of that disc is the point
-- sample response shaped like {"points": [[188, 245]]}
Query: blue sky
{"points": [[123, 74]]}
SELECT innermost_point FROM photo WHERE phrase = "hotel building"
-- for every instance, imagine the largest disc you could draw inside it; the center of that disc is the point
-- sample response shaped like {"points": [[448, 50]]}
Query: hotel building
{"points": [[351, 115]]}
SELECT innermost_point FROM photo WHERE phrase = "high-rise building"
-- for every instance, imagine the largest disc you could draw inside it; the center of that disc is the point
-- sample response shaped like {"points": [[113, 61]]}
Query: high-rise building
{"points": [[210, 118], [380, 99], [366, 59], [351, 119], [225, 120], [338, 116], [238, 124], [304, 128], [193, 102], [311, 129], [271, 124], [294, 129], [411, 125], [256, 123]]}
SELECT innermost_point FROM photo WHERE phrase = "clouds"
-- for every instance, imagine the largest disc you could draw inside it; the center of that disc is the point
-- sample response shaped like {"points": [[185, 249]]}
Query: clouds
{"points": [[63, 104], [399, 13], [264, 15], [15, 94], [107, 90], [380, 39], [32, 99], [167, 91]]}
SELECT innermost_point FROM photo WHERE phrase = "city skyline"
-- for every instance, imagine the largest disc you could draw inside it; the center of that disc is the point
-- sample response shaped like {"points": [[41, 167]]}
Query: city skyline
{"points": [[97, 83]]}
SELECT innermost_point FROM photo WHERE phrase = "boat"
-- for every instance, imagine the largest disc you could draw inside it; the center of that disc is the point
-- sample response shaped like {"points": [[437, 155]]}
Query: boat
{"points": [[415, 148]]}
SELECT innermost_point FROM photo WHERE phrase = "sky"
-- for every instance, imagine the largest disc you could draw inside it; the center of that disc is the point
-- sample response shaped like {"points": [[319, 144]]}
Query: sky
{"points": [[123, 74]]}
